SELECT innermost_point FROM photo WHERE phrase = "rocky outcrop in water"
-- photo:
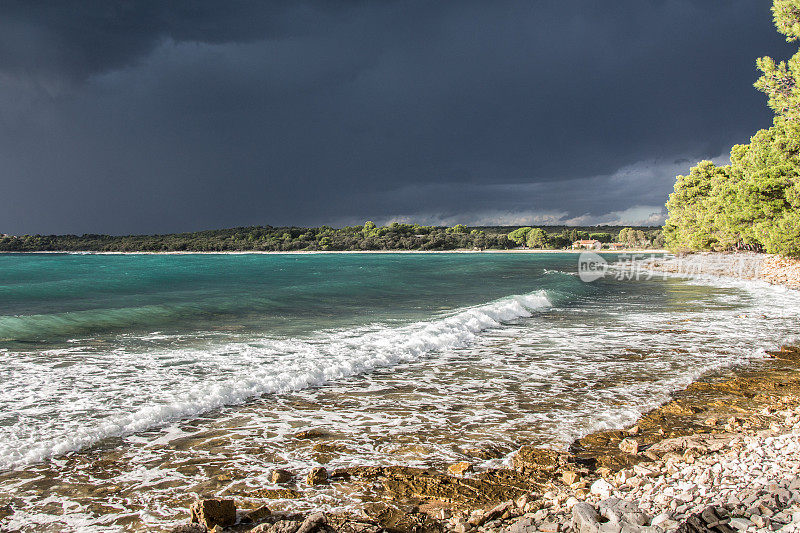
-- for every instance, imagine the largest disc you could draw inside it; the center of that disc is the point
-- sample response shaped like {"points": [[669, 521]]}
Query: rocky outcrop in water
{"points": [[213, 512]]}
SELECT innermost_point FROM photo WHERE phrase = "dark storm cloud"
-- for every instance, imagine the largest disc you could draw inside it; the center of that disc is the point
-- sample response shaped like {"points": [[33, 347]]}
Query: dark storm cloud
{"points": [[163, 116]]}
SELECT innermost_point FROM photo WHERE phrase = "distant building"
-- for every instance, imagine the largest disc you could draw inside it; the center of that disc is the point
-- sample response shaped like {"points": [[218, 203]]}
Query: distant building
{"points": [[587, 244], [617, 245]]}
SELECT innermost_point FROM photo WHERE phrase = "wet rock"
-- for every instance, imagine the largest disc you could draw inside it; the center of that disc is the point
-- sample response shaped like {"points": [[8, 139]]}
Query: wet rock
{"points": [[271, 494], [189, 528], [280, 475], [569, 477], [311, 524], [311, 434], [487, 452], [418, 485], [281, 526], [212, 512], [349, 524], [676, 407], [530, 459], [460, 468], [5, 511], [257, 515], [317, 476]]}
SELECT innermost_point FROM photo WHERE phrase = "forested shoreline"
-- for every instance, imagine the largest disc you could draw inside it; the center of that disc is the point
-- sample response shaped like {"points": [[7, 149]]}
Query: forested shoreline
{"points": [[753, 203], [394, 236]]}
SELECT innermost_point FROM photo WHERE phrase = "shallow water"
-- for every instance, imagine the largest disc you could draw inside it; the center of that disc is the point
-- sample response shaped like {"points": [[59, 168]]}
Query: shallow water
{"points": [[132, 382]]}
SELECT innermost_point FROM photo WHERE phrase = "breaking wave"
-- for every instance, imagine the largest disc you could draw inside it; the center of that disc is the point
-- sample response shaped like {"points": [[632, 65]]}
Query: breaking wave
{"points": [[216, 376]]}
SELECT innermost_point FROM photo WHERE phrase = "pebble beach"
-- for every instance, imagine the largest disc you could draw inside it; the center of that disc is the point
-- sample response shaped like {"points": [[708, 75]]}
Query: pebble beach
{"points": [[720, 457]]}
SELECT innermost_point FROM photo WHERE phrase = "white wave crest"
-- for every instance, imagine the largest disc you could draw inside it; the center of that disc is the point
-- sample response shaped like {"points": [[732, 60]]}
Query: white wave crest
{"points": [[215, 377]]}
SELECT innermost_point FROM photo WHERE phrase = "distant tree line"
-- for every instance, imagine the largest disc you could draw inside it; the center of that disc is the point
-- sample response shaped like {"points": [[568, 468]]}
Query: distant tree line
{"points": [[539, 238], [394, 236], [754, 202]]}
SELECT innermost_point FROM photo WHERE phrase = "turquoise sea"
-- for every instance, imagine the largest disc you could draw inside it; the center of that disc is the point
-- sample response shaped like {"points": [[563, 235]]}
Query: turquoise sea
{"points": [[404, 358]]}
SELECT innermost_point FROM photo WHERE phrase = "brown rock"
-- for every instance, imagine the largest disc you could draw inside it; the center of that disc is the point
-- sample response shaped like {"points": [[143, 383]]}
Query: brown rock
{"points": [[419, 485], [189, 528], [653, 456], [486, 452], [350, 524], [311, 434], [281, 526], [569, 477], [312, 523], [497, 511], [460, 468], [530, 460], [211, 512], [5, 511], [280, 476], [257, 515], [604, 471], [271, 494], [317, 476]]}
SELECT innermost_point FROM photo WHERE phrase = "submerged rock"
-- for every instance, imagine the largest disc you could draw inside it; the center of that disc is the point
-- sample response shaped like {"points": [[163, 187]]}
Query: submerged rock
{"points": [[317, 476], [311, 434], [419, 485], [6, 510], [280, 475], [530, 460]]}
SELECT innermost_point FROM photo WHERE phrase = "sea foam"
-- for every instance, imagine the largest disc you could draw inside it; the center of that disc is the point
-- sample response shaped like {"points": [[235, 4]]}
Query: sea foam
{"points": [[70, 407]]}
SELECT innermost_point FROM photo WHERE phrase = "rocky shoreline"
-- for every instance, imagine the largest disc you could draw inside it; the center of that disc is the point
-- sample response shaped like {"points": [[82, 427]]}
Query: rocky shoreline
{"points": [[772, 269], [722, 456]]}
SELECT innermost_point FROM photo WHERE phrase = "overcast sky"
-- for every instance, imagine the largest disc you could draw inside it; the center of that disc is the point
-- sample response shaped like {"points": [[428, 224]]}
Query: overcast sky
{"points": [[142, 117]]}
